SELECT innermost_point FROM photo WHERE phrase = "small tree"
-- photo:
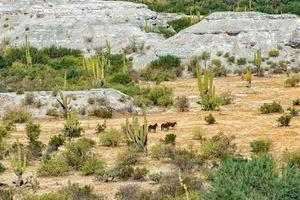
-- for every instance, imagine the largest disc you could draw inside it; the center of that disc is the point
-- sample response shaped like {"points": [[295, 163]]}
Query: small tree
{"points": [[18, 164], [72, 126], [249, 76], [64, 103]]}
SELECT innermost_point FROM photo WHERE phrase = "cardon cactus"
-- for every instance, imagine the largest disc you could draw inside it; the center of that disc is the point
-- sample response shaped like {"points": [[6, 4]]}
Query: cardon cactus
{"points": [[18, 164]]}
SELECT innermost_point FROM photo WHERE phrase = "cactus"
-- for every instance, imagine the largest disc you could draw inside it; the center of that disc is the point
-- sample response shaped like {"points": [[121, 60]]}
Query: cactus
{"points": [[27, 53], [64, 103], [248, 76], [18, 164], [257, 61], [137, 135], [124, 63], [65, 81], [206, 86], [184, 186], [5, 46]]}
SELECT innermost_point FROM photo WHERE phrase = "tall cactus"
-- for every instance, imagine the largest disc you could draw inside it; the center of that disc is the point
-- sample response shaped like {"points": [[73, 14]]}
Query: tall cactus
{"points": [[258, 61], [249, 76], [137, 134], [18, 164], [65, 81], [64, 103], [27, 53], [206, 84]]}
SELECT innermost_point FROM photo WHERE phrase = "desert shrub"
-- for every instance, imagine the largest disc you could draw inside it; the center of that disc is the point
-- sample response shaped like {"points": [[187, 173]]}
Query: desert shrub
{"points": [[17, 116], [56, 166], [110, 138], [284, 120], [124, 172], [231, 59], [293, 112], [161, 151], [166, 62], [227, 98], [100, 128], [91, 166], [103, 112], [56, 140], [29, 99], [91, 100], [2, 168], [273, 53], [128, 192], [296, 102], [35, 147], [156, 177], [170, 139], [219, 146], [241, 61], [129, 156], [210, 103], [273, 107], [161, 96], [182, 23], [182, 104], [140, 173], [52, 112], [198, 134], [292, 157], [121, 78], [235, 179], [210, 119], [6, 194], [184, 160], [142, 101], [292, 81], [58, 52], [72, 127], [76, 192], [47, 196], [220, 71], [77, 152], [217, 62], [260, 146]]}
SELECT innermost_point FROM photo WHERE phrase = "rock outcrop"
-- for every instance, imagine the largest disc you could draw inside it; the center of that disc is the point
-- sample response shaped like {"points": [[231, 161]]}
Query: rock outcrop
{"points": [[112, 98], [238, 33]]}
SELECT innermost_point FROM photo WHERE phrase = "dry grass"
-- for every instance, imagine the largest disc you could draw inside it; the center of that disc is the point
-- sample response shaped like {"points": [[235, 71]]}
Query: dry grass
{"points": [[240, 119]]}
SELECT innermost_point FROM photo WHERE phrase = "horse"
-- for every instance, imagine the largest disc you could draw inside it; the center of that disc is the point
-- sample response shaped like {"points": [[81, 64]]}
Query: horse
{"points": [[152, 127], [172, 124], [164, 126]]}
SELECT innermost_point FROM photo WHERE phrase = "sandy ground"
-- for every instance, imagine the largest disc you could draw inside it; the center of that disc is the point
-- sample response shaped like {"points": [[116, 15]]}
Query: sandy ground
{"points": [[240, 119]]}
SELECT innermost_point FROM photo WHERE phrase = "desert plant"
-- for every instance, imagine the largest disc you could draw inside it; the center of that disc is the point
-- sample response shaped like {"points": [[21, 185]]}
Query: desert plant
{"points": [[258, 61], [284, 120], [29, 99], [182, 104], [100, 128], [128, 192], [292, 81], [296, 102], [273, 107], [52, 112], [111, 138], [170, 139], [91, 165], [210, 119], [72, 127], [273, 53], [35, 147], [27, 52], [260, 146], [185, 160], [292, 157], [18, 164], [103, 112], [156, 177], [129, 156], [249, 76], [64, 102], [140, 173], [241, 61], [293, 112], [57, 140], [198, 134], [137, 135], [56, 166], [17, 116]]}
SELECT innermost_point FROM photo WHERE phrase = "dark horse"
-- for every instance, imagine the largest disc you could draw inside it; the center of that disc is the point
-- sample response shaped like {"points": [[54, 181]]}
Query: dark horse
{"points": [[164, 126], [152, 127], [172, 124]]}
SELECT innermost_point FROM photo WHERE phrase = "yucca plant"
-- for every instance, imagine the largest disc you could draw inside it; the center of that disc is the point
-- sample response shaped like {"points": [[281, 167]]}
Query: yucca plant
{"points": [[18, 164], [64, 102], [137, 135]]}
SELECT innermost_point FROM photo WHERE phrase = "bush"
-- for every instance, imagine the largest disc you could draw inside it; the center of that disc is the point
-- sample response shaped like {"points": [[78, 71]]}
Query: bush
{"points": [[128, 192], [29, 99], [140, 173], [128, 157], [56, 166], [185, 160], [241, 61], [72, 127], [296, 102], [100, 128], [77, 152], [170, 139], [292, 81], [260, 146], [17, 116], [198, 134], [103, 112], [273, 107], [182, 23], [161, 96], [284, 120], [162, 151], [273, 53], [231, 59], [47, 196], [75, 192], [35, 147], [91, 166], [210, 103], [52, 112], [292, 158], [2, 169], [166, 62], [217, 62], [227, 98], [6, 194], [57, 140], [210, 119], [156, 177], [182, 104], [111, 138], [293, 112]]}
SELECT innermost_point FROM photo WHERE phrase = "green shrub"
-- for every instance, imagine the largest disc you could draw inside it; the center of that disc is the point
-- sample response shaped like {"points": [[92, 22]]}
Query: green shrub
{"points": [[100, 128], [121, 78], [72, 127], [185, 160], [182, 23], [292, 158], [296, 102], [47, 196], [35, 147], [292, 81], [91, 166], [273, 107], [284, 120], [217, 62], [161, 96], [77, 152], [128, 192], [29, 99], [242, 61], [111, 138], [2, 168], [210, 119], [129, 156], [293, 112], [170, 139], [210, 103], [198, 134], [124, 172], [182, 104], [161, 151], [56, 166], [273, 53], [231, 59], [103, 112], [166, 32], [6, 194], [57, 140], [17, 116], [76, 192], [58, 52], [260, 146], [166, 62], [140, 173], [156, 177]]}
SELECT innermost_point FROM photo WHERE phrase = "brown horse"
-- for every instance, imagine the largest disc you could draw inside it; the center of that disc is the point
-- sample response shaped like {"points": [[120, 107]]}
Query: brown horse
{"points": [[172, 124], [152, 127], [164, 126]]}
